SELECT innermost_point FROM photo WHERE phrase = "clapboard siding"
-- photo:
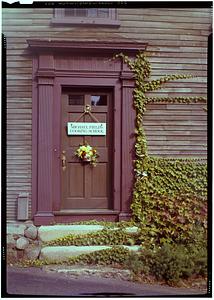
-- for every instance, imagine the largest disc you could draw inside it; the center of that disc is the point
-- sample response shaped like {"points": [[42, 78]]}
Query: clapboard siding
{"points": [[177, 43], [176, 130]]}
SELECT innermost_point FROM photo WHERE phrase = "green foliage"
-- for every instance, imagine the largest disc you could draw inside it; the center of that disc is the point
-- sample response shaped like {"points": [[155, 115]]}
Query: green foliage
{"points": [[109, 256], [134, 263], [170, 262], [102, 237], [106, 224], [169, 195], [174, 262], [34, 263], [176, 100], [157, 84], [170, 200]]}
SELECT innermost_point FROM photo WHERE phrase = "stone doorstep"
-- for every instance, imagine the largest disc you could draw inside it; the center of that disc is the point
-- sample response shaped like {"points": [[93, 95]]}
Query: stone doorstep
{"points": [[52, 232], [88, 271], [60, 253]]}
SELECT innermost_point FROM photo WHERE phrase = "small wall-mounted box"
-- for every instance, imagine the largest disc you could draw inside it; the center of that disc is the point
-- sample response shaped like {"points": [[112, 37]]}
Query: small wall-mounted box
{"points": [[22, 206]]}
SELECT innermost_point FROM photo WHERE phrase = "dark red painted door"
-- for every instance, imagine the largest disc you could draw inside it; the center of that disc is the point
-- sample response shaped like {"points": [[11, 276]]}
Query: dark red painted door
{"points": [[82, 185]]}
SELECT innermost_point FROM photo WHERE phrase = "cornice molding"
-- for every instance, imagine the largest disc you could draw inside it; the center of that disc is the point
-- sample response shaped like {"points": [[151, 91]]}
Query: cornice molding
{"points": [[84, 47]]}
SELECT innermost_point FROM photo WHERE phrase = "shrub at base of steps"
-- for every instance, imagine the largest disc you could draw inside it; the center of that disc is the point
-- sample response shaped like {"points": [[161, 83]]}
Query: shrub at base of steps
{"points": [[102, 237], [170, 263]]}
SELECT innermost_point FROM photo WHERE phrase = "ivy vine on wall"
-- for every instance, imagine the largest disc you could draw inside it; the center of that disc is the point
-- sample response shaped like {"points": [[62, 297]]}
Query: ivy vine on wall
{"points": [[170, 195]]}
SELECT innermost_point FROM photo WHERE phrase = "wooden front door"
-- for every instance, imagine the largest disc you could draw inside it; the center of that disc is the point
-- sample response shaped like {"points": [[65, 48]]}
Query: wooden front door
{"points": [[84, 186]]}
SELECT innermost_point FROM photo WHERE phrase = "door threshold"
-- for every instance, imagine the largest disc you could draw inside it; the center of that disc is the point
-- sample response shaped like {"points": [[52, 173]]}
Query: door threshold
{"points": [[65, 212]]}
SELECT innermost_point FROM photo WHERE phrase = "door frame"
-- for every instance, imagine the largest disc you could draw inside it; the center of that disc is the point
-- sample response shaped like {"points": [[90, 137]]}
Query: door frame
{"points": [[47, 83], [76, 82]]}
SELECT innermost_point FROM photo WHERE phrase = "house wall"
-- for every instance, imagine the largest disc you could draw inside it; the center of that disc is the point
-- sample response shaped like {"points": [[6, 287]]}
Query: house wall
{"points": [[177, 43]]}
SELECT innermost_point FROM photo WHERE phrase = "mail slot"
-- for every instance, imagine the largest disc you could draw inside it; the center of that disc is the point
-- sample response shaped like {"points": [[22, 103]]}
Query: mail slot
{"points": [[22, 206]]}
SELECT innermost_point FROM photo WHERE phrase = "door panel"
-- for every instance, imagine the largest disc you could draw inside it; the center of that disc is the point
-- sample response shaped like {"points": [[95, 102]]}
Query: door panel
{"points": [[82, 185], [75, 182], [99, 190]]}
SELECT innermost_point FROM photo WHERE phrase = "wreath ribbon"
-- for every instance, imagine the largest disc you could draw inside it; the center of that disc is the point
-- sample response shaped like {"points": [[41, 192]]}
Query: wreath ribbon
{"points": [[87, 110]]}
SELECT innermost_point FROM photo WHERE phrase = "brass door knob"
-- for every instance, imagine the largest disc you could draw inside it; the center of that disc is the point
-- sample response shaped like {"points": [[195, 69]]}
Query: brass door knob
{"points": [[63, 159]]}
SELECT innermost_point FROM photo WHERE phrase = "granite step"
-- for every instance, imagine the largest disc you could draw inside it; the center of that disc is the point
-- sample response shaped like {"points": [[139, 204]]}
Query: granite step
{"points": [[52, 232], [61, 253]]}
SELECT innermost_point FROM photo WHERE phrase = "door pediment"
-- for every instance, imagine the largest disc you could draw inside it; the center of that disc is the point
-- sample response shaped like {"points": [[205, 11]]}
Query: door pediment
{"points": [[82, 59]]}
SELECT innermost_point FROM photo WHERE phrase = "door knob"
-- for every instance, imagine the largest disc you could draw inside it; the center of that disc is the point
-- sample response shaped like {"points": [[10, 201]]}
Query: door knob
{"points": [[63, 159]]}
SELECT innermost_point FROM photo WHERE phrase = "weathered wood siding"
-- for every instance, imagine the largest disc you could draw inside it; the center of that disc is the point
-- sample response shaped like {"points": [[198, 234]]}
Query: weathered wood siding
{"points": [[176, 130], [177, 41]]}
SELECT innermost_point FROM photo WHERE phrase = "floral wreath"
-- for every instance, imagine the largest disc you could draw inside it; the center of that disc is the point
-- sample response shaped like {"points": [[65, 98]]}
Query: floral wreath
{"points": [[87, 154]]}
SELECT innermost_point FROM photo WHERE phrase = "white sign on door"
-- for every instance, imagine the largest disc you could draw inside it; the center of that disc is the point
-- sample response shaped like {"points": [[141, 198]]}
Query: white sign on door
{"points": [[78, 128]]}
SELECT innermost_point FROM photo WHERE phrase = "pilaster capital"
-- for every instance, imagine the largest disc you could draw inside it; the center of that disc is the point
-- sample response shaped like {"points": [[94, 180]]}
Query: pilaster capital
{"points": [[127, 79], [45, 76]]}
